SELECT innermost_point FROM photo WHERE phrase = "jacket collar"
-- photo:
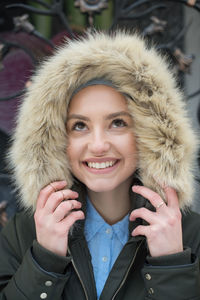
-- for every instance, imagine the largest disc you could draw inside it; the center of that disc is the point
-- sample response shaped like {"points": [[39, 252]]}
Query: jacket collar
{"points": [[137, 201]]}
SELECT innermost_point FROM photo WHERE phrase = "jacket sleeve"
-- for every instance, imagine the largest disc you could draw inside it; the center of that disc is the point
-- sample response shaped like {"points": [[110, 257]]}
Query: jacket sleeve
{"points": [[174, 276], [21, 277]]}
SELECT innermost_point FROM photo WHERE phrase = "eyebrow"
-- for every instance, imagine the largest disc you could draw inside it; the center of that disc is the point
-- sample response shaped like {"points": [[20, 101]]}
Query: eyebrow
{"points": [[118, 114], [108, 117], [79, 117]]}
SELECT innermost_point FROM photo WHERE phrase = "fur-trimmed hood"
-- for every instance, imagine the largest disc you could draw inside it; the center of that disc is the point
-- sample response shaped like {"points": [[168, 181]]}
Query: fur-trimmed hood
{"points": [[165, 141]]}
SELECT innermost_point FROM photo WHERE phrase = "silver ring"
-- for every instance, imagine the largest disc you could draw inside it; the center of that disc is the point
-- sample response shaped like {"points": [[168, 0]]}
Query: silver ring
{"points": [[63, 195], [52, 187], [160, 204]]}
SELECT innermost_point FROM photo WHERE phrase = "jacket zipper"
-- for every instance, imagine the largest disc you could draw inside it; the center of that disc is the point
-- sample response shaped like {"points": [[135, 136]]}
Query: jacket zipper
{"points": [[86, 296], [122, 283]]}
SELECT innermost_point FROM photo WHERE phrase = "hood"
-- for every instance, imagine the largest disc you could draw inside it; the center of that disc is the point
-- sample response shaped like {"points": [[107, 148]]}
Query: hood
{"points": [[165, 141]]}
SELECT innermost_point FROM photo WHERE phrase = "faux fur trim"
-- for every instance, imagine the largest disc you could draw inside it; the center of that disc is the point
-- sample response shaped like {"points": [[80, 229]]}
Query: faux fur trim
{"points": [[165, 141]]}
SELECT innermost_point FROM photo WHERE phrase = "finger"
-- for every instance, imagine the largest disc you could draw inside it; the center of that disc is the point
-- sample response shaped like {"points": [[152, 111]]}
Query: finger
{"points": [[144, 214], [47, 191], [69, 220], [171, 197], [56, 198], [150, 195], [65, 209], [141, 230]]}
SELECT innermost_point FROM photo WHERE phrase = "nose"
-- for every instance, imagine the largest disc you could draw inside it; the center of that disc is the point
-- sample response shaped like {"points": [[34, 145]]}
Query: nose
{"points": [[99, 143]]}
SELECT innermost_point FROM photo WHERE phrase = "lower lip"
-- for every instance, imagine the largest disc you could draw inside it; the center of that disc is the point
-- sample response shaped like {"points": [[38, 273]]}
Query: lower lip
{"points": [[102, 171]]}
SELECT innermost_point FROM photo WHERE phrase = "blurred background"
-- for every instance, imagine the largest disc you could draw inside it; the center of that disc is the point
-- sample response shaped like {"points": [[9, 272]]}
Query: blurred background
{"points": [[31, 30]]}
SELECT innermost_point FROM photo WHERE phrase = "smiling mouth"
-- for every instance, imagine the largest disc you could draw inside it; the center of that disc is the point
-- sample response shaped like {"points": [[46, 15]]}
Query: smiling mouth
{"points": [[101, 165]]}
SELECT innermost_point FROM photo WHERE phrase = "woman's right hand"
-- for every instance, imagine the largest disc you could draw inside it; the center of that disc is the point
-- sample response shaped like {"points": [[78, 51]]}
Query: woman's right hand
{"points": [[54, 217]]}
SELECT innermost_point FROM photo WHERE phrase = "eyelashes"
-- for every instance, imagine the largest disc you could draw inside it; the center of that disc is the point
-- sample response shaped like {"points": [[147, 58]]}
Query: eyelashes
{"points": [[79, 126], [83, 126], [119, 123]]}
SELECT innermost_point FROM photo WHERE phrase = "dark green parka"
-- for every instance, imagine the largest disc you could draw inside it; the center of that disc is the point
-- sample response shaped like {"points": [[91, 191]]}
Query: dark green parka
{"points": [[165, 145], [28, 271]]}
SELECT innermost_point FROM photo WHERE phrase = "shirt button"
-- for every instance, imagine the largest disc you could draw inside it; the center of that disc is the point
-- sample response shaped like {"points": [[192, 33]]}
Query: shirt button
{"points": [[151, 291], [48, 283], [108, 230], [148, 276], [104, 258], [43, 295]]}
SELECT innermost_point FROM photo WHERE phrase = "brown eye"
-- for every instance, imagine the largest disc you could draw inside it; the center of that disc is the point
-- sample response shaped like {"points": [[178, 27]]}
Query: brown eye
{"points": [[119, 123], [79, 126]]}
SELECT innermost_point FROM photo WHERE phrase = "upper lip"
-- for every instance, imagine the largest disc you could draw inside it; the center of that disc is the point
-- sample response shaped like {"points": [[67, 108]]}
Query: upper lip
{"points": [[100, 160]]}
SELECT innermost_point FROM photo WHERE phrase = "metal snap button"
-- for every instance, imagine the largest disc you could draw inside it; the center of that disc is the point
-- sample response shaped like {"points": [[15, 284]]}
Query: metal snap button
{"points": [[43, 295], [151, 291], [148, 276], [48, 283]]}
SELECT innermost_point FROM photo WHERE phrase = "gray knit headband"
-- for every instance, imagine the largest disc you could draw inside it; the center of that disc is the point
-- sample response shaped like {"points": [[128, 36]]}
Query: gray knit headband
{"points": [[95, 81]]}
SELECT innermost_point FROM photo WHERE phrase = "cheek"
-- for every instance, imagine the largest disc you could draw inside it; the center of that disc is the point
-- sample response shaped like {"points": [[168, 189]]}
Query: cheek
{"points": [[71, 152], [132, 146], [128, 144], [131, 152], [72, 158], [74, 151]]}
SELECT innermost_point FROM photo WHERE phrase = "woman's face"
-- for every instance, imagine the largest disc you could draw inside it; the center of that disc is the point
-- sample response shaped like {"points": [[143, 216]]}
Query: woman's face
{"points": [[102, 148]]}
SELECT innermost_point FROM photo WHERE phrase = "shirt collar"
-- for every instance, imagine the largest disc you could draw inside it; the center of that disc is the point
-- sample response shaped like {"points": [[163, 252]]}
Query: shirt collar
{"points": [[121, 229], [93, 222]]}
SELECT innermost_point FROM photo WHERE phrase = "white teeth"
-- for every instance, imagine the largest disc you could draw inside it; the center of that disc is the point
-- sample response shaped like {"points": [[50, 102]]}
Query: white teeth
{"points": [[102, 165]]}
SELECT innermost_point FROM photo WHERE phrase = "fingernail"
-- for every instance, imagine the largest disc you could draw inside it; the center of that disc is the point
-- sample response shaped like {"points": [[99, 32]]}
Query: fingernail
{"points": [[135, 187], [82, 216], [63, 182]]}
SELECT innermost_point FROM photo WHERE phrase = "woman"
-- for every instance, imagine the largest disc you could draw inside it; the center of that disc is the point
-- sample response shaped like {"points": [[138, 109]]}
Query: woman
{"points": [[102, 156]]}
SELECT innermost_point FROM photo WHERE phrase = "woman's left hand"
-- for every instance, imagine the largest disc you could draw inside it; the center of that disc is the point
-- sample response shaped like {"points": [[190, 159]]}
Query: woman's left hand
{"points": [[164, 232]]}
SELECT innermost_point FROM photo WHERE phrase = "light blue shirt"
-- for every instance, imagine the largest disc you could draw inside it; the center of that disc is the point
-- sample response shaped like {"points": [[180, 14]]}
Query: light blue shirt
{"points": [[104, 242]]}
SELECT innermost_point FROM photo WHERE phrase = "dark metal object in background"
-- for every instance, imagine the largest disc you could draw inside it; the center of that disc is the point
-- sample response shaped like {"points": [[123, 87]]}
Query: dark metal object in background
{"points": [[184, 61], [22, 24], [54, 10], [156, 26], [124, 10], [91, 7]]}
